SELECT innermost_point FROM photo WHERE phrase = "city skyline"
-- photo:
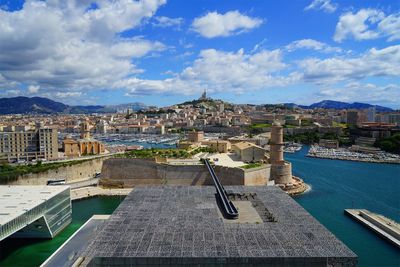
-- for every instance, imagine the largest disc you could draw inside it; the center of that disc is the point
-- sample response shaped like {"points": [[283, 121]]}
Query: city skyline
{"points": [[166, 52]]}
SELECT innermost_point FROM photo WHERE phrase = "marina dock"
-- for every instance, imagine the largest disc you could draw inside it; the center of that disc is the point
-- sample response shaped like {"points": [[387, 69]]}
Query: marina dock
{"points": [[385, 227]]}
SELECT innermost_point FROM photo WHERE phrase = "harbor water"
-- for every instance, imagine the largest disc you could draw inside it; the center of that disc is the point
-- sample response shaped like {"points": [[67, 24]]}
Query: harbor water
{"points": [[337, 185]]}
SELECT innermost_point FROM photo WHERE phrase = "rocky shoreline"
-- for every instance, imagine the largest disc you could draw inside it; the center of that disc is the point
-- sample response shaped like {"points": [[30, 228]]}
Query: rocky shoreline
{"points": [[298, 187]]}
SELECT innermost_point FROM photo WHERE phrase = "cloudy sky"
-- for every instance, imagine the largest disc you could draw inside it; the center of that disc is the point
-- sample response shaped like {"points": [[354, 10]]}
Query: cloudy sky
{"points": [[161, 52]]}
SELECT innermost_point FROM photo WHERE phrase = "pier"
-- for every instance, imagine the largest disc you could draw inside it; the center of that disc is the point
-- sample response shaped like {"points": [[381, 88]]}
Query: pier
{"points": [[385, 227]]}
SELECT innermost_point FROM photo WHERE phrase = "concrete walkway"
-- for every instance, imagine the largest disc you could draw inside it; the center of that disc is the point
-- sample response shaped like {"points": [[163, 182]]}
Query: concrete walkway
{"points": [[66, 255], [84, 183], [227, 160], [86, 192], [386, 228]]}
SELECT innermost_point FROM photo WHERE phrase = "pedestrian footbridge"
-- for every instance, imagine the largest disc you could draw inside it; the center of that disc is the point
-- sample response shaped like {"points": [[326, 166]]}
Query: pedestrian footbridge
{"points": [[34, 211]]}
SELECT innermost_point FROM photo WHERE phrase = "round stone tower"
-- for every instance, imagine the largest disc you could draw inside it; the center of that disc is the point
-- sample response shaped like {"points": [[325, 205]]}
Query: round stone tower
{"points": [[281, 170], [276, 144], [85, 130]]}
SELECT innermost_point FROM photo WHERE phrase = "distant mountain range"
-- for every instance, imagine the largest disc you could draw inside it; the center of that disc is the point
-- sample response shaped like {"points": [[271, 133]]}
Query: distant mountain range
{"points": [[40, 105], [330, 104]]}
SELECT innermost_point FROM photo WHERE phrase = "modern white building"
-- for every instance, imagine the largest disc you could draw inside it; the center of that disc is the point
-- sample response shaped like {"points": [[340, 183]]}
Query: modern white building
{"points": [[34, 211]]}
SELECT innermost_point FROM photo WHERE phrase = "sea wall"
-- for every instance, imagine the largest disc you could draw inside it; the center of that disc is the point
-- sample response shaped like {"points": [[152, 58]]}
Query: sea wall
{"points": [[374, 219], [132, 172], [75, 172]]}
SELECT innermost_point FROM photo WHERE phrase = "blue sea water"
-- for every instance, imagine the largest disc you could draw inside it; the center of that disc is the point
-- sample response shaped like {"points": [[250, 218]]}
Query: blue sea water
{"points": [[337, 185]]}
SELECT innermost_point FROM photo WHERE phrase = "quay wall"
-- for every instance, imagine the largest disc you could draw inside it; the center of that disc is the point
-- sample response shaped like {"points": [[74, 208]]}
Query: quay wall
{"points": [[73, 173], [380, 225], [132, 172]]}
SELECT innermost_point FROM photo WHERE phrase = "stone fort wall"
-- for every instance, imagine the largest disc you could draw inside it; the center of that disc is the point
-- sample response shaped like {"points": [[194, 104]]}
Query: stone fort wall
{"points": [[132, 172], [282, 173], [76, 172]]}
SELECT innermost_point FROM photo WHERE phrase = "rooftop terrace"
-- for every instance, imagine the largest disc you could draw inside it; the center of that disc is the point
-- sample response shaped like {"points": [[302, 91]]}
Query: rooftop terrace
{"points": [[182, 225]]}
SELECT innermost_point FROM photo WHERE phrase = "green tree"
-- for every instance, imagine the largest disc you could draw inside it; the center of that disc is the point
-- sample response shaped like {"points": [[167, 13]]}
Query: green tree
{"points": [[390, 144]]}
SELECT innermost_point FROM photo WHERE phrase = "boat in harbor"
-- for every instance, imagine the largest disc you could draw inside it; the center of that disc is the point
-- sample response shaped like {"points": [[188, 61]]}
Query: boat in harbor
{"points": [[346, 154], [292, 147]]}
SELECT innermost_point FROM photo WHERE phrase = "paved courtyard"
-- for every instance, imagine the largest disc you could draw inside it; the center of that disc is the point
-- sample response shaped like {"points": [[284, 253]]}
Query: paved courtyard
{"points": [[226, 159]]}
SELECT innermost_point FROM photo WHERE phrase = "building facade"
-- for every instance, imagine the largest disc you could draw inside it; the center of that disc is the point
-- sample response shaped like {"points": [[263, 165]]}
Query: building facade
{"points": [[220, 146], [83, 146], [41, 143], [328, 143], [249, 152], [196, 136], [393, 118], [352, 117]]}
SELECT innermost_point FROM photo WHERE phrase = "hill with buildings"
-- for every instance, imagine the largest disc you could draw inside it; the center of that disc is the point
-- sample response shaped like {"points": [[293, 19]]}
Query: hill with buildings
{"points": [[41, 105], [330, 104]]}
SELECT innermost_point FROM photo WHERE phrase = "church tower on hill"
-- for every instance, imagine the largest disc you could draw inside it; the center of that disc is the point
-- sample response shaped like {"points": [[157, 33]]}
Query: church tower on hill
{"points": [[204, 95]]}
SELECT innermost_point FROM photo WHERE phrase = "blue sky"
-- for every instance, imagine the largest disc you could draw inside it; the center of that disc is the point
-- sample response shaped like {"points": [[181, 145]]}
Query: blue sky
{"points": [[163, 52]]}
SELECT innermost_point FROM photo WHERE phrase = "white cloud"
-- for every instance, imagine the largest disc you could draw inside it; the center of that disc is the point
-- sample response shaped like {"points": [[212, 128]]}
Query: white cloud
{"points": [[363, 92], [33, 89], [324, 5], [238, 72], [367, 24], [135, 48], [182, 42], [120, 15], [61, 48], [185, 55], [313, 45], [13, 92], [62, 95], [164, 22], [373, 63], [60, 45], [390, 26], [214, 24], [219, 71], [258, 46]]}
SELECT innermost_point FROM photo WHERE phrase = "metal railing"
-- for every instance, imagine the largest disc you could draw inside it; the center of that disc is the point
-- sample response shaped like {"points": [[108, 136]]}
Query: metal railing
{"points": [[227, 207]]}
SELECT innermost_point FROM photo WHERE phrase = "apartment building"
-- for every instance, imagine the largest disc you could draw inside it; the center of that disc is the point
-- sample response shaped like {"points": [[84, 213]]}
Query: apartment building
{"points": [[40, 143]]}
